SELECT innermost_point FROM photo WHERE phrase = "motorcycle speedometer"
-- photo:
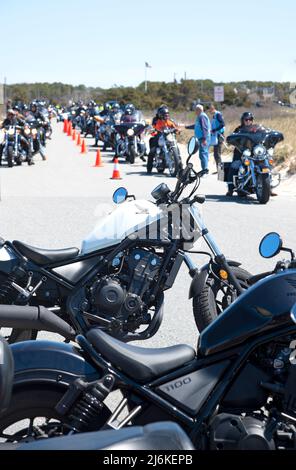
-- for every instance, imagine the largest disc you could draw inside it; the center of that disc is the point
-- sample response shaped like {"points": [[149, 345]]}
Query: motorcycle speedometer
{"points": [[259, 151], [160, 191]]}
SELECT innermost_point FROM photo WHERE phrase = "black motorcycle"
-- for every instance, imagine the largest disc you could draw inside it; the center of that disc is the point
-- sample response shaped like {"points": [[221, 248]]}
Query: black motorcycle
{"points": [[167, 153], [253, 173], [164, 436], [129, 142], [236, 392], [34, 132], [120, 284]]}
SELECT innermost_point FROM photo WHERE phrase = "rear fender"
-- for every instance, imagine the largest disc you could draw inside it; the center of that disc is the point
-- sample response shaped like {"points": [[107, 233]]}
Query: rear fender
{"points": [[201, 277], [51, 362]]}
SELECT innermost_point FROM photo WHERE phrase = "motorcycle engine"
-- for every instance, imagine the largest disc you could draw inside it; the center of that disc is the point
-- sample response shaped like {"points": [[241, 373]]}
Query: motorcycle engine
{"points": [[233, 432], [123, 297]]}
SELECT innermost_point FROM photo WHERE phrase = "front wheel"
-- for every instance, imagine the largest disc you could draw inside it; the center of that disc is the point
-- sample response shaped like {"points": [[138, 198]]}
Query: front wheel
{"points": [[216, 297], [175, 162], [263, 188], [10, 156], [132, 153]]}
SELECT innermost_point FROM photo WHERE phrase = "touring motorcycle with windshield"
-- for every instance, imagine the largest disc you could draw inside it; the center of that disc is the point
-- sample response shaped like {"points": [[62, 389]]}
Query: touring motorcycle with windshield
{"points": [[13, 149], [118, 278], [254, 173], [167, 153], [129, 141]]}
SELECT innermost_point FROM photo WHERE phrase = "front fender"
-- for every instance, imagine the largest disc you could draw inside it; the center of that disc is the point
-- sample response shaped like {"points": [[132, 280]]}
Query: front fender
{"points": [[201, 277], [50, 361]]}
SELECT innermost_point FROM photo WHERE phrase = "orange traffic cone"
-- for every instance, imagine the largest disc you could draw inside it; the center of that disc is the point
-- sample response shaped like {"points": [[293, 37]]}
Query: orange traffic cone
{"points": [[74, 135], [116, 173], [69, 133], [78, 139], [98, 160], [65, 126], [83, 147]]}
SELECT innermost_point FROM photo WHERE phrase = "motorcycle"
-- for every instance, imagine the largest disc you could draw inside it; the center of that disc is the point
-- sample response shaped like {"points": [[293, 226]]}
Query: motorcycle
{"points": [[118, 278], [106, 132], [254, 173], [33, 132], [235, 392], [13, 150], [129, 142], [167, 153], [156, 436]]}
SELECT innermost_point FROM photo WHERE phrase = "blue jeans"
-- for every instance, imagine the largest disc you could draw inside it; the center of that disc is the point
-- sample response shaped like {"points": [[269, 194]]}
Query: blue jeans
{"points": [[203, 154]]}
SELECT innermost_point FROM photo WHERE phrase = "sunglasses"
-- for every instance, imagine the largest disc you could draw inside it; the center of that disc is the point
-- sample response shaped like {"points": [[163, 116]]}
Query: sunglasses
{"points": [[249, 119]]}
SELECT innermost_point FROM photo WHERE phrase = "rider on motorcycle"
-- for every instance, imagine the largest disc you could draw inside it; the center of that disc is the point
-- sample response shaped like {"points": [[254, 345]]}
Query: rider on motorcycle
{"points": [[160, 122], [38, 116], [247, 121], [13, 119]]}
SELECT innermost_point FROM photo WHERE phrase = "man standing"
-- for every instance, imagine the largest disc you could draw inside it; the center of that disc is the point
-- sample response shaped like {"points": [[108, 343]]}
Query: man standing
{"points": [[202, 130], [218, 128]]}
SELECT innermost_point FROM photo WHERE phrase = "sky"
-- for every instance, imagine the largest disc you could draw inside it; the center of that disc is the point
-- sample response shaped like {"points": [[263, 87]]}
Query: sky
{"points": [[107, 42]]}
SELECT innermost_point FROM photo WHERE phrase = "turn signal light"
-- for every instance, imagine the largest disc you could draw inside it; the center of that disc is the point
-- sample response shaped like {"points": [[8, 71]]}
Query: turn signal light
{"points": [[223, 274], [247, 162], [265, 170], [270, 161]]}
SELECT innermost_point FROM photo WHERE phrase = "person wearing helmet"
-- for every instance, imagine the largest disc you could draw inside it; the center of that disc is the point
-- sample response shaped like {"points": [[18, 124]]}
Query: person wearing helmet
{"points": [[160, 122], [246, 120], [13, 119]]}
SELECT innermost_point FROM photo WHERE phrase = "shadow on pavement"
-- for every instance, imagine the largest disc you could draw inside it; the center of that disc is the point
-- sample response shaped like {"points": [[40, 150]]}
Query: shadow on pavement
{"points": [[236, 199]]}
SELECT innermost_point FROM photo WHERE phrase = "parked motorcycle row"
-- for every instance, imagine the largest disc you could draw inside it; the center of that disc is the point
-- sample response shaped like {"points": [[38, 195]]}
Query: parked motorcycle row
{"points": [[24, 132], [122, 129], [234, 391]]}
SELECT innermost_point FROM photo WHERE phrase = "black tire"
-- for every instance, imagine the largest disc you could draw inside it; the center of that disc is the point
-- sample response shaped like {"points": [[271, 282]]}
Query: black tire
{"points": [[10, 156], [42, 152], [176, 162], [205, 308], [149, 163], [132, 153], [36, 401], [160, 170], [263, 188]]}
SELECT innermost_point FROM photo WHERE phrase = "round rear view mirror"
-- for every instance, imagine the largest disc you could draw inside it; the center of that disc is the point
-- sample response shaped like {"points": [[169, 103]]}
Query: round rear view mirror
{"points": [[192, 146], [120, 195], [270, 245]]}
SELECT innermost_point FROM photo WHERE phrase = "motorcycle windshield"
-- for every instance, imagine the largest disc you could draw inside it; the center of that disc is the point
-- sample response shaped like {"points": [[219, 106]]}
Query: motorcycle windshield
{"points": [[248, 137]]}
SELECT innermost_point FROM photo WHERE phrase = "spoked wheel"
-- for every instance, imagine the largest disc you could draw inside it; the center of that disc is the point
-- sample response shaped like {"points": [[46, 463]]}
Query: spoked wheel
{"points": [[216, 297], [175, 162], [32, 415]]}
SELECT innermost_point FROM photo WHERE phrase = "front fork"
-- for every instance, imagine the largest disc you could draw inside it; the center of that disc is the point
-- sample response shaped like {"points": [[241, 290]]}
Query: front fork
{"points": [[219, 257]]}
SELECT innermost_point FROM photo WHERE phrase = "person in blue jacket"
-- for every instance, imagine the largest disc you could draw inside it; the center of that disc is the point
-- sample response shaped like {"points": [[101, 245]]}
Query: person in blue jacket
{"points": [[218, 129], [202, 129]]}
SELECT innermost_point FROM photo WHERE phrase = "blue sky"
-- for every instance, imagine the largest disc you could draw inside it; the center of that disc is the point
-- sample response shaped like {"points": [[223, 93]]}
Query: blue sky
{"points": [[106, 42]]}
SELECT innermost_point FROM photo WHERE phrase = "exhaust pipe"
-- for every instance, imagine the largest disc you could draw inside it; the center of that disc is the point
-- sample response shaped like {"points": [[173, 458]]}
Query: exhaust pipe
{"points": [[34, 318]]}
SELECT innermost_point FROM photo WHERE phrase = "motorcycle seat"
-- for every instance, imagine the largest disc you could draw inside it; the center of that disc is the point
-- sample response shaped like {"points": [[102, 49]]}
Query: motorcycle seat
{"points": [[6, 374], [141, 364], [43, 257]]}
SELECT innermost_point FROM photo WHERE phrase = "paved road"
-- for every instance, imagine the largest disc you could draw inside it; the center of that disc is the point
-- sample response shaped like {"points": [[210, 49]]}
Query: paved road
{"points": [[56, 203]]}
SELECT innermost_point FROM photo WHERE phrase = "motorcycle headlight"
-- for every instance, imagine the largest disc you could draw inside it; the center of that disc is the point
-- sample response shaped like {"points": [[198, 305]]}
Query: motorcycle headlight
{"points": [[247, 153], [270, 152], [27, 131], [170, 137], [130, 132], [34, 131], [10, 131], [259, 152]]}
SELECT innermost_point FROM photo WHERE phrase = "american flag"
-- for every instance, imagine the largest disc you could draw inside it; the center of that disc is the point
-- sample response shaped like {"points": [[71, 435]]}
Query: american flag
{"points": [[147, 65]]}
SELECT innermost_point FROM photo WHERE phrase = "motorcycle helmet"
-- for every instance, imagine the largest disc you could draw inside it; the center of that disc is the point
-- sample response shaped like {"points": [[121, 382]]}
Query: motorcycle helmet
{"points": [[107, 107], [115, 107], [163, 112], [247, 115], [129, 109]]}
